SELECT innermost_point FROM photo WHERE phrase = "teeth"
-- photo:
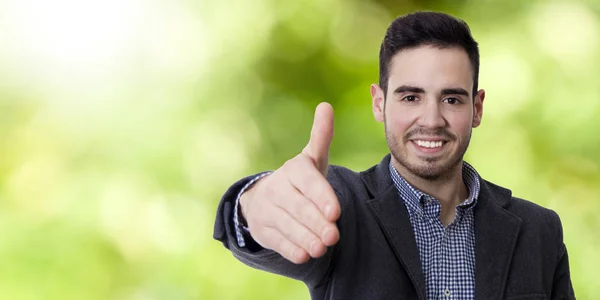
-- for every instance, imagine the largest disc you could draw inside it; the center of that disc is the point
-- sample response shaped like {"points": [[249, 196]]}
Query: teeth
{"points": [[429, 144]]}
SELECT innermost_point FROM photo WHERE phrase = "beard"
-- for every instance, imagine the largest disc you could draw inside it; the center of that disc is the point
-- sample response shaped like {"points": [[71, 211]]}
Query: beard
{"points": [[427, 167]]}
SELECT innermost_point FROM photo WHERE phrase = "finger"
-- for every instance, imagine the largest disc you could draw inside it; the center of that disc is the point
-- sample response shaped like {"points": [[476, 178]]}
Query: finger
{"points": [[320, 137], [299, 234], [313, 185], [275, 217], [280, 244], [305, 212]]}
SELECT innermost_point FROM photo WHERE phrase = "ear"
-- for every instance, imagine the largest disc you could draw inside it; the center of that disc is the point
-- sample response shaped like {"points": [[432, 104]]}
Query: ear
{"points": [[478, 107], [378, 99]]}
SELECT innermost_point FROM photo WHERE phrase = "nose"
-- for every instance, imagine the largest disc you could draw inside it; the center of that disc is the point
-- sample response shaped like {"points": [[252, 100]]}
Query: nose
{"points": [[431, 115]]}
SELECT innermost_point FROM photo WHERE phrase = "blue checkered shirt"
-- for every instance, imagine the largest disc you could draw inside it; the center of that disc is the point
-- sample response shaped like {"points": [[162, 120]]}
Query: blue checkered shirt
{"points": [[447, 254]]}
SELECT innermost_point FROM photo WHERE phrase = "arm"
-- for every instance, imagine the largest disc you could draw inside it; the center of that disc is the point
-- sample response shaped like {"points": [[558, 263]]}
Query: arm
{"points": [[312, 272], [562, 287], [291, 214]]}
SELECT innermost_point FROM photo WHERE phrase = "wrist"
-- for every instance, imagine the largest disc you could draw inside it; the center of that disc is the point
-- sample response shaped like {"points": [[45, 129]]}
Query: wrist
{"points": [[246, 198], [242, 209]]}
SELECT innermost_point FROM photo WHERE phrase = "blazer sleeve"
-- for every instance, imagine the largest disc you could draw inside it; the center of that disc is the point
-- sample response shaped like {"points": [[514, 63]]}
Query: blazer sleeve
{"points": [[562, 287], [312, 273]]}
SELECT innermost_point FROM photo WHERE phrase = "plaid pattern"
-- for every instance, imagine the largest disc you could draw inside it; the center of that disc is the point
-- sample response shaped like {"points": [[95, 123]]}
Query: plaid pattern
{"points": [[239, 228], [447, 254]]}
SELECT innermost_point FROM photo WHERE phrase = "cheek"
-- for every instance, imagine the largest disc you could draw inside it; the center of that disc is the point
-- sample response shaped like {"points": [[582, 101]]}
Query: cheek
{"points": [[461, 125], [399, 119], [397, 125]]}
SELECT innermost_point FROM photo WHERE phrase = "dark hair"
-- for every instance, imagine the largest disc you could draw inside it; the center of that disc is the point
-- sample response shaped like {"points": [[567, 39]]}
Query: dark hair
{"points": [[426, 28]]}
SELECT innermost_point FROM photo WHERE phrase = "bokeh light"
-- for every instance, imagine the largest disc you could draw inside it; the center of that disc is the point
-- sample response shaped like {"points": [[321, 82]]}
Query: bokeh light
{"points": [[122, 122]]}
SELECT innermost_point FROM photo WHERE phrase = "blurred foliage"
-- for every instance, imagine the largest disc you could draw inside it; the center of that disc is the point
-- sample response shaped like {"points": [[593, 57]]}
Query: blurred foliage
{"points": [[122, 122]]}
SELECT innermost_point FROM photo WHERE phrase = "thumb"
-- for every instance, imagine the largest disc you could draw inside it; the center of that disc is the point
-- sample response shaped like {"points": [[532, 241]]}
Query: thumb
{"points": [[320, 137]]}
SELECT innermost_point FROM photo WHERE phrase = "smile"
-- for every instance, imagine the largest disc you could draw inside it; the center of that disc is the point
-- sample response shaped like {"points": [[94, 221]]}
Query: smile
{"points": [[429, 144]]}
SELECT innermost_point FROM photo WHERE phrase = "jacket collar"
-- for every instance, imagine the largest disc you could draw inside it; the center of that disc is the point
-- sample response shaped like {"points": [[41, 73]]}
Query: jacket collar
{"points": [[496, 231]]}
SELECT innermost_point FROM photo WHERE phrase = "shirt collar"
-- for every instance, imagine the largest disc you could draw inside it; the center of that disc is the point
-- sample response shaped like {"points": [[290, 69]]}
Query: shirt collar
{"points": [[414, 197]]}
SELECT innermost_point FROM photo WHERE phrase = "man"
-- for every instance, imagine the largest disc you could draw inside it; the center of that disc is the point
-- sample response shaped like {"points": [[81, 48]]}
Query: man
{"points": [[422, 224]]}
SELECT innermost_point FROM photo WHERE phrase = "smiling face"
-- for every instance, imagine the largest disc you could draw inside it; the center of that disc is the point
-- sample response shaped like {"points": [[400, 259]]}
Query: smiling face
{"points": [[429, 110]]}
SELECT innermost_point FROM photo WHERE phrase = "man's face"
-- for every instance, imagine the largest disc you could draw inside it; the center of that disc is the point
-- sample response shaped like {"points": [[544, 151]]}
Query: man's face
{"points": [[429, 110]]}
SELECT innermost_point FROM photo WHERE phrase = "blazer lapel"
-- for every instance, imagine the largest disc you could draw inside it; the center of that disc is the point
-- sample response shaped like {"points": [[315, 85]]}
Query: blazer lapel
{"points": [[393, 219], [496, 233]]}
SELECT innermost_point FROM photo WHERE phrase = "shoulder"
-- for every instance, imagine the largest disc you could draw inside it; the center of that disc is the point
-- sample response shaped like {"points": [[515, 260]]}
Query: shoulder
{"points": [[342, 179], [530, 210], [532, 214], [346, 176], [351, 186], [536, 217], [336, 172]]}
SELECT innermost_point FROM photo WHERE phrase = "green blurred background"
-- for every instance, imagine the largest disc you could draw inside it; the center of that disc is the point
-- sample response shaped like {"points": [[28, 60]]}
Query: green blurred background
{"points": [[122, 122]]}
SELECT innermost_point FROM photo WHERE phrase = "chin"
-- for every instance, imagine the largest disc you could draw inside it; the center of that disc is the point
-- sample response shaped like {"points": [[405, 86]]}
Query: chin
{"points": [[429, 168]]}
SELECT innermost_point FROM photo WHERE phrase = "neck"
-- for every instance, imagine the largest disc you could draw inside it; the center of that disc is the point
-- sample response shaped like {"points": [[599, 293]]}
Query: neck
{"points": [[449, 188]]}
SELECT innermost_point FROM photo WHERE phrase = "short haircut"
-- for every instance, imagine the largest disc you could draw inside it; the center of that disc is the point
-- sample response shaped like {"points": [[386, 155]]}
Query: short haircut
{"points": [[426, 29]]}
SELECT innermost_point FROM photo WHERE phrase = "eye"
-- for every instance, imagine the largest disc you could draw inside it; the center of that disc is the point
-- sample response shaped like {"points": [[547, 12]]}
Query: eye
{"points": [[410, 98], [452, 100]]}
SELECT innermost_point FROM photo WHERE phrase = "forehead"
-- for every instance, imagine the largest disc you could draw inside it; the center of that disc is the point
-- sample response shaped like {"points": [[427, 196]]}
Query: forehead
{"points": [[431, 68]]}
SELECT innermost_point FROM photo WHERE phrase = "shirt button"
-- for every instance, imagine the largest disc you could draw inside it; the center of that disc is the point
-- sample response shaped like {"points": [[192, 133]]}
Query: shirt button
{"points": [[447, 293]]}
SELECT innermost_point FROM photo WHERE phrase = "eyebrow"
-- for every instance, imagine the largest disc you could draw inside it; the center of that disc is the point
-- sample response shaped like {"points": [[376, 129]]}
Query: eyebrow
{"points": [[455, 91], [410, 89], [418, 90]]}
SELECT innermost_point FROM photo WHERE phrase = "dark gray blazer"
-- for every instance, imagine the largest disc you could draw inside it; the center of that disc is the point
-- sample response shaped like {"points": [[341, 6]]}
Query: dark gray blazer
{"points": [[519, 249]]}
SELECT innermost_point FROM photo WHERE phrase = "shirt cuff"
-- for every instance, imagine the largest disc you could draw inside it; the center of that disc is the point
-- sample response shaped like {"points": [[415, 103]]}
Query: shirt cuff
{"points": [[240, 229]]}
